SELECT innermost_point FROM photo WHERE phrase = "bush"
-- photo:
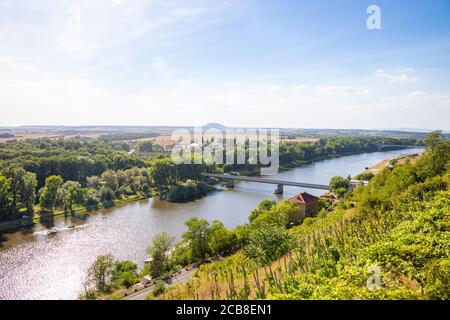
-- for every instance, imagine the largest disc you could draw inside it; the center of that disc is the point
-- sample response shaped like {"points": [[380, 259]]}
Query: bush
{"points": [[187, 191], [159, 288], [339, 183], [263, 207], [124, 274], [268, 242], [365, 176]]}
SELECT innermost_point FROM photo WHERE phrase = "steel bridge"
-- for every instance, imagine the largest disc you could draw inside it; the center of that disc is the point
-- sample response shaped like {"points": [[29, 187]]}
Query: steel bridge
{"points": [[278, 183], [384, 146]]}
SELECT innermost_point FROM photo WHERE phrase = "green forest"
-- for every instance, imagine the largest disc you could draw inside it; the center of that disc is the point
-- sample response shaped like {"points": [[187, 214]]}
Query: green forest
{"points": [[65, 175]]}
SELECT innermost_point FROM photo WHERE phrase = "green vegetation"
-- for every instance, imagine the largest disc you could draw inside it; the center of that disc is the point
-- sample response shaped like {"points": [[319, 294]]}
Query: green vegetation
{"points": [[106, 274], [294, 153], [159, 251], [339, 185], [387, 240], [49, 192], [365, 176], [76, 174], [159, 289]]}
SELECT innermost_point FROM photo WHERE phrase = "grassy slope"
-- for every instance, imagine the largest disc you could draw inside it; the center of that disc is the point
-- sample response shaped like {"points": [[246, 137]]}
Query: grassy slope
{"points": [[404, 238]]}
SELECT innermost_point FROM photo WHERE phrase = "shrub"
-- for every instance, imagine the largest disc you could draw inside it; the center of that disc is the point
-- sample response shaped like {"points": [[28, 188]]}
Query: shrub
{"points": [[159, 288]]}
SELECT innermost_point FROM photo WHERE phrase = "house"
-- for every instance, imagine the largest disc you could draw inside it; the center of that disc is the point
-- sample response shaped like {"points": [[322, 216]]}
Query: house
{"points": [[308, 205]]}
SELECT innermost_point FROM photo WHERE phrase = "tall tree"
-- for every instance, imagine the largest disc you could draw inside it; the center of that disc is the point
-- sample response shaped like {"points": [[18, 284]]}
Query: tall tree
{"points": [[5, 197], [73, 194], [220, 239], [110, 179], [437, 157], [161, 244], [99, 274], [163, 172], [49, 192], [197, 235], [28, 191], [16, 174]]}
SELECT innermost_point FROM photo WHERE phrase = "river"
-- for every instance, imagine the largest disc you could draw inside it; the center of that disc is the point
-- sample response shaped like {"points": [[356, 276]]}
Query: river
{"points": [[36, 264]]}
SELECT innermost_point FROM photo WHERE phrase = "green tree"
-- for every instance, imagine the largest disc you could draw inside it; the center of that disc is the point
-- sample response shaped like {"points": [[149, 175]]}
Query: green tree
{"points": [[28, 191], [106, 194], [337, 182], [279, 214], [99, 274], [93, 182], [49, 193], [365, 176], [197, 236], [110, 179], [220, 239], [124, 273], [73, 194], [163, 172], [437, 157], [161, 244], [263, 206], [16, 174], [267, 242], [5, 198]]}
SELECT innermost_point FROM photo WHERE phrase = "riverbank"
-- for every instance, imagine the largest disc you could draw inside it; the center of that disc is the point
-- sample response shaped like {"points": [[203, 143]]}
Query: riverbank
{"points": [[395, 160], [60, 260], [13, 225], [38, 217]]}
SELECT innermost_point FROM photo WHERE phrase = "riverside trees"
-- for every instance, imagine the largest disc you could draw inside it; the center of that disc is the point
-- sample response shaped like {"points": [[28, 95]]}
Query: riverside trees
{"points": [[98, 172]]}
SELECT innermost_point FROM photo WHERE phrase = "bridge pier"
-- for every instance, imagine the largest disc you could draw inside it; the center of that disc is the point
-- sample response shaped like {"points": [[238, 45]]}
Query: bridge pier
{"points": [[279, 189], [230, 184]]}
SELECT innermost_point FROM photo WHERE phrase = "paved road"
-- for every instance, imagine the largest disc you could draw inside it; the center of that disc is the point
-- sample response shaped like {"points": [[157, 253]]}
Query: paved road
{"points": [[268, 181], [181, 278]]}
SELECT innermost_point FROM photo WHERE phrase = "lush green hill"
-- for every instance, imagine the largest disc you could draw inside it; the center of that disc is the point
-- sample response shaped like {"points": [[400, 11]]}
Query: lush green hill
{"points": [[388, 240]]}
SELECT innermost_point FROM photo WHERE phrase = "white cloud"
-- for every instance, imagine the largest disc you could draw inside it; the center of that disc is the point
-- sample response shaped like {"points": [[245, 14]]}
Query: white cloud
{"points": [[57, 62], [54, 99], [335, 90], [396, 78], [417, 93]]}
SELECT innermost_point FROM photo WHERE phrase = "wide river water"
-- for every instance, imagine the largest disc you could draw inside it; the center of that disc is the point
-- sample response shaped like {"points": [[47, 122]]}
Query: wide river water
{"points": [[36, 264]]}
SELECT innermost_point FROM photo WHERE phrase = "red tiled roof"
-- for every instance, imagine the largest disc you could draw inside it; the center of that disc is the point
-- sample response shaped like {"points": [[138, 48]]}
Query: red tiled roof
{"points": [[303, 197]]}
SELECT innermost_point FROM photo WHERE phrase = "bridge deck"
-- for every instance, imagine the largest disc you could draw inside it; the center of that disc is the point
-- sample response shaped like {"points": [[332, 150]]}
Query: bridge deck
{"points": [[397, 146], [269, 181]]}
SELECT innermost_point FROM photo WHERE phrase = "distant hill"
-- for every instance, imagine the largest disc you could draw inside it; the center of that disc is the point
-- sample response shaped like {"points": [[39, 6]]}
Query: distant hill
{"points": [[214, 126]]}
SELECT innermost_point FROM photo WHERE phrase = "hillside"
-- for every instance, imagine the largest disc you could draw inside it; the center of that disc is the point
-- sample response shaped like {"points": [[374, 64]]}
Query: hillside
{"points": [[388, 240]]}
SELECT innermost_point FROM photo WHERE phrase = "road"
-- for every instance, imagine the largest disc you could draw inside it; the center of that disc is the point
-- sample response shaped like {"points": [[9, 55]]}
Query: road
{"points": [[178, 279], [268, 181]]}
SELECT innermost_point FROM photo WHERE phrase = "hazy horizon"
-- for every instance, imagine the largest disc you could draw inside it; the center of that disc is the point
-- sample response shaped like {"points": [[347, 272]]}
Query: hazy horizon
{"points": [[410, 130]]}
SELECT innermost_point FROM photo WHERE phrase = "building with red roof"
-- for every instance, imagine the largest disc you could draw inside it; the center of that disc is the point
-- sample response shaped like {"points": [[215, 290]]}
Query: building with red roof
{"points": [[308, 205]]}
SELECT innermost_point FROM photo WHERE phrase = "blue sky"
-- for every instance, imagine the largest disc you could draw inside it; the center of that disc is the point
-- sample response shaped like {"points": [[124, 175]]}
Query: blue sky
{"points": [[241, 63]]}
